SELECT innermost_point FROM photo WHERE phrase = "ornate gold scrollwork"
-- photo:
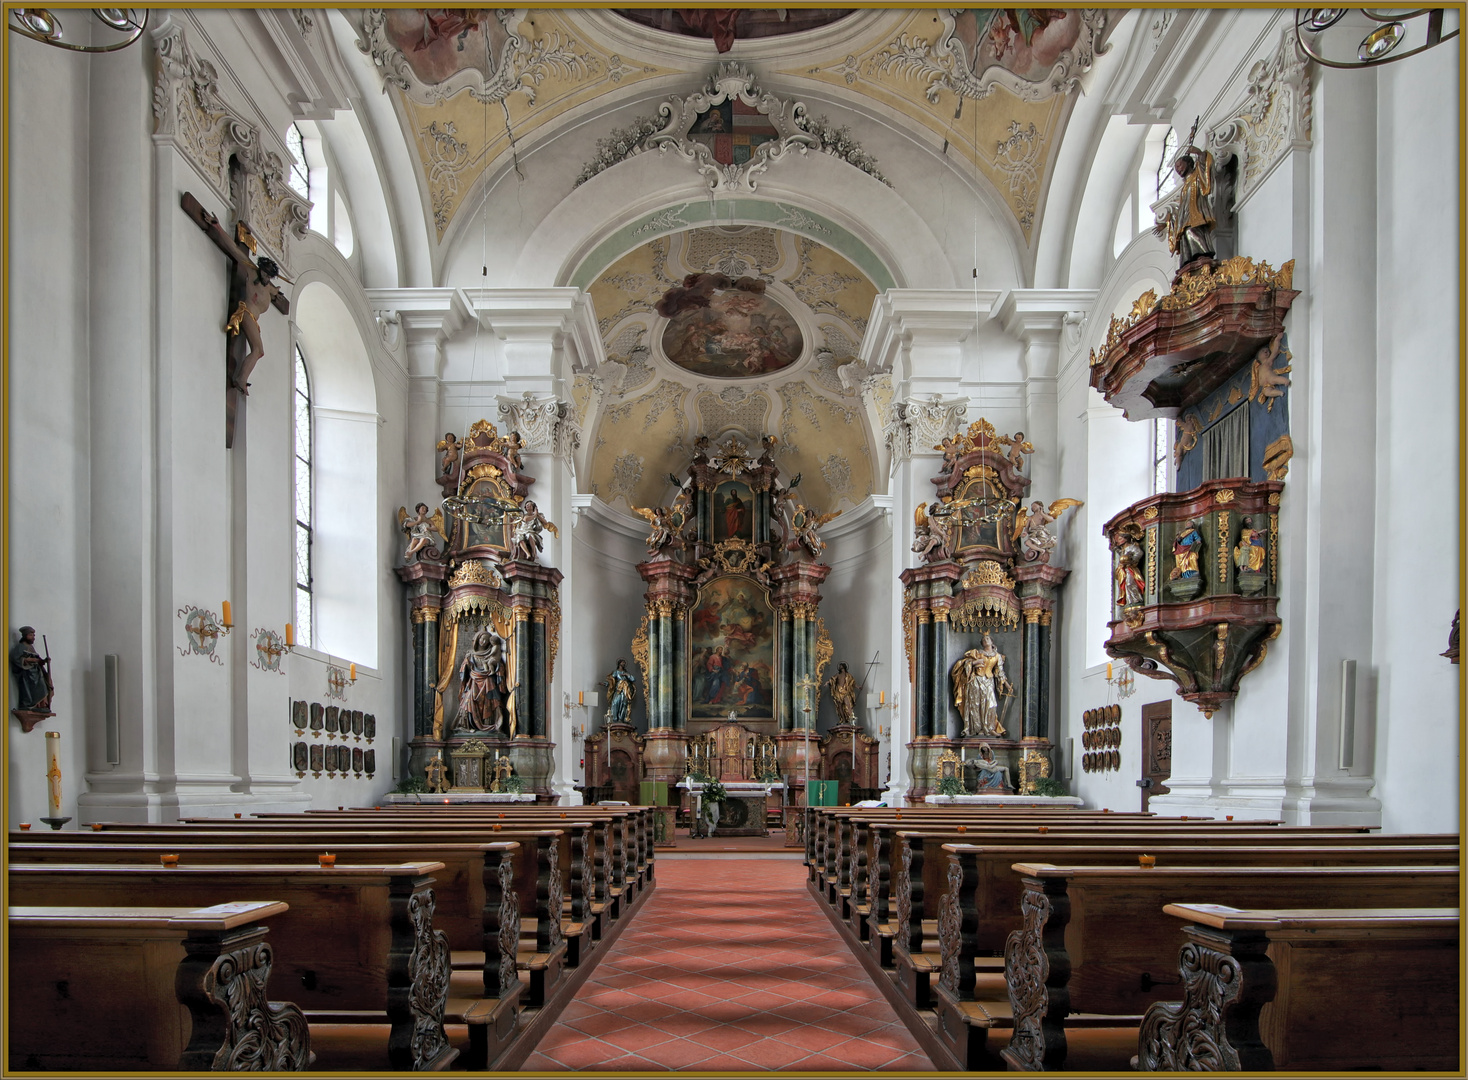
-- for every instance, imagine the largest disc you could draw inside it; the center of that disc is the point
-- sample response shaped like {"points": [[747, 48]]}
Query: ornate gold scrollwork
{"points": [[640, 650], [475, 572], [1277, 457], [824, 649], [1223, 545]]}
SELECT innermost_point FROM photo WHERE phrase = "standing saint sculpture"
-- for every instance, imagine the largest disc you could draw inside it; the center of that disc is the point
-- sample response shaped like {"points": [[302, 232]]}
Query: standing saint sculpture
{"points": [[978, 679], [30, 674], [842, 686], [621, 691], [1188, 223], [482, 690]]}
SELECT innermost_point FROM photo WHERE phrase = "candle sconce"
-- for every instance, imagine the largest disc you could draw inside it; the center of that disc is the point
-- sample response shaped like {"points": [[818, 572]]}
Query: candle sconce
{"points": [[204, 629], [269, 648], [1124, 683], [336, 682]]}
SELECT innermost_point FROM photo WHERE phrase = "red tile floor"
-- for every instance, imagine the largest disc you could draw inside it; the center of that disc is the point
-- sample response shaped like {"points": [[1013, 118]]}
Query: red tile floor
{"points": [[729, 966]]}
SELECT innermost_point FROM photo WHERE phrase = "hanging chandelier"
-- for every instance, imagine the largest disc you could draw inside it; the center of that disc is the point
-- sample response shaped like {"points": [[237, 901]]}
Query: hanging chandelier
{"points": [[43, 25], [1391, 34]]}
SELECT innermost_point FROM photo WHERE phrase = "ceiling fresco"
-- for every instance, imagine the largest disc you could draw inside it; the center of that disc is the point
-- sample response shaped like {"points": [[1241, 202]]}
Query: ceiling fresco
{"points": [[993, 85], [793, 313]]}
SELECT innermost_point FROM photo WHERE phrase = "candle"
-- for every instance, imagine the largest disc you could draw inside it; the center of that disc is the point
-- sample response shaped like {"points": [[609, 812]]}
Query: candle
{"points": [[581, 697], [1108, 671], [352, 672], [882, 697], [290, 635], [225, 619], [53, 771]]}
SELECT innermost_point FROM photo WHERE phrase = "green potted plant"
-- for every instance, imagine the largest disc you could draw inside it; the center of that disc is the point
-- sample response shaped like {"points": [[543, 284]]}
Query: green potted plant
{"points": [[1050, 787], [712, 797], [950, 785]]}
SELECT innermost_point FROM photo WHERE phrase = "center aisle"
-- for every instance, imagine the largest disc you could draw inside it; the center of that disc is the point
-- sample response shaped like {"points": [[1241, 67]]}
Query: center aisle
{"points": [[729, 966]]}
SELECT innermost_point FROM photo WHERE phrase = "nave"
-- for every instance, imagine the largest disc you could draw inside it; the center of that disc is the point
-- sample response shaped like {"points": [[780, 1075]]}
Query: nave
{"points": [[957, 938], [731, 966]]}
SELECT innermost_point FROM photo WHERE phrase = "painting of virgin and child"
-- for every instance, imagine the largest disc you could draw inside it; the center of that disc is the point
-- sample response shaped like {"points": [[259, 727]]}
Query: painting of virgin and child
{"points": [[732, 657]]}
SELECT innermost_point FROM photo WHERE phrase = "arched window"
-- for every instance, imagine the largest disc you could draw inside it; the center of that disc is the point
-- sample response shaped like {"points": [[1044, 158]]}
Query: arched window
{"points": [[300, 177], [304, 598]]}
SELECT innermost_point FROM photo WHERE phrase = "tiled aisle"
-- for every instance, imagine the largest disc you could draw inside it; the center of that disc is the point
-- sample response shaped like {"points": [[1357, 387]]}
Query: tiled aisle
{"points": [[729, 966]]}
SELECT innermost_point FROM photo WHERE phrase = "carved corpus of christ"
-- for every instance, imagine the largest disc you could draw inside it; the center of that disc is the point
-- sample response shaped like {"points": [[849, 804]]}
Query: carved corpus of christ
{"points": [[251, 293]]}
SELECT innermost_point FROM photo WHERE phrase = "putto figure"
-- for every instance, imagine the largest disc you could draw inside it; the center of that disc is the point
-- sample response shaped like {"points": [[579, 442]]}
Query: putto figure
{"points": [[978, 679]]}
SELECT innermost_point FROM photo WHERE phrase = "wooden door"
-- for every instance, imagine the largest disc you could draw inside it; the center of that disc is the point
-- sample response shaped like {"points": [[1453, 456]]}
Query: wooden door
{"points": [[1156, 749]]}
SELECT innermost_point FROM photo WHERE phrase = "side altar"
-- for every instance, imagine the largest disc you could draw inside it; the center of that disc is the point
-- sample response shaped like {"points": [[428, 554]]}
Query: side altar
{"points": [[976, 617], [485, 616]]}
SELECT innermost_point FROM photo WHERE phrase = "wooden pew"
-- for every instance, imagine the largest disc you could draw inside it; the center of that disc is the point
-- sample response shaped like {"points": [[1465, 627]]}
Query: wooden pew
{"points": [[999, 890], [157, 988], [1322, 989], [356, 939], [532, 875], [887, 868], [1093, 941]]}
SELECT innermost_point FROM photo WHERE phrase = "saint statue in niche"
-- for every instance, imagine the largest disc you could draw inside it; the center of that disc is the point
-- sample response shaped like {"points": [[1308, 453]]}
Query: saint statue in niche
{"points": [[1186, 546], [482, 690], [843, 694], [978, 679], [621, 690]]}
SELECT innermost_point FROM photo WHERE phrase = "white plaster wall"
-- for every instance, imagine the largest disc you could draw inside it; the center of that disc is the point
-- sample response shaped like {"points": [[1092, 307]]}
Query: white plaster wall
{"points": [[1417, 725], [48, 398]]}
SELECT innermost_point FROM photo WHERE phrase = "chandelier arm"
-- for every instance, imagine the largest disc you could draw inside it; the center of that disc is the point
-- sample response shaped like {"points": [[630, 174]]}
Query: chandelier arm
{"points": [[54, 40]]}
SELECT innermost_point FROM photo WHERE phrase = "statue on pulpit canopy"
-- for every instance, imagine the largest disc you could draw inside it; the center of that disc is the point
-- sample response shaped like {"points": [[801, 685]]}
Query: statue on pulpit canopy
{"points": [[482, 690], [978, 680]]}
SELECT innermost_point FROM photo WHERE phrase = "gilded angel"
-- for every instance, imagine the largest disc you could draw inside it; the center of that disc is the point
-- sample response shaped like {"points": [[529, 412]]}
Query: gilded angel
{"points": [[1036, 541], [423, 533]]}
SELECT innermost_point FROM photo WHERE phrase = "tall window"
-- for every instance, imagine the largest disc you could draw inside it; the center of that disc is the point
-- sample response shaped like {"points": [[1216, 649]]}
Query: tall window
{"points": [[1167, 177], [303, 502], [300, 178], [1160, 450]]}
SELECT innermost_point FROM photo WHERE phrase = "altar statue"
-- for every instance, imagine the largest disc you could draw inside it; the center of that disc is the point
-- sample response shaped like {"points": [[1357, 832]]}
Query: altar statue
{"points": [[526, 541], [843, 694], [422, 530], [621, 690], [482, 690], [992, 775], [1034, 539], [978, 677]]}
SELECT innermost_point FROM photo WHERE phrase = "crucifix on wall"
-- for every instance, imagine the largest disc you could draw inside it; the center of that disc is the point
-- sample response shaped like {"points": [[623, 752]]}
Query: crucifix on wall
{"points": [[251, 293]]}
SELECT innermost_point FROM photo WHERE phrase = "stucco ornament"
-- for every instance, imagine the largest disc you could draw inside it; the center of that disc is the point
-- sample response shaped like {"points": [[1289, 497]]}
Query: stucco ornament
{"points": [[921, 424], [971, 61], [685, 119], [1273, 118], [500, 61]]}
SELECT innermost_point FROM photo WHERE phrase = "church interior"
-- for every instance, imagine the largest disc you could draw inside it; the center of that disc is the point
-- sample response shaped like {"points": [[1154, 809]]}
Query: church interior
{"points": [[718, 502]]}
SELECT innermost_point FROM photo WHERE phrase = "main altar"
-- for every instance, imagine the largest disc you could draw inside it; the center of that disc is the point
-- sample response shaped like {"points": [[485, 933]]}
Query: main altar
{"points": [[731, 645], [976, 616]]}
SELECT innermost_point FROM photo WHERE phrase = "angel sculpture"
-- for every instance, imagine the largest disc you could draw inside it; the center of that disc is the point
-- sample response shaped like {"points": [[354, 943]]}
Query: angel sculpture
{"points": [[1018, 448], [1188, 430], [662, 535], [931, 539], [1034, 539], [803, 524], [448, 467], [530, 525], [1267, 382], [423, 532]]}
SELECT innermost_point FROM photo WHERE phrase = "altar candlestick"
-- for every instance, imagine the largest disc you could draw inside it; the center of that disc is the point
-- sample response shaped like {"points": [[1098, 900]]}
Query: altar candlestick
{"points": [[225, 620], [53, 771]]}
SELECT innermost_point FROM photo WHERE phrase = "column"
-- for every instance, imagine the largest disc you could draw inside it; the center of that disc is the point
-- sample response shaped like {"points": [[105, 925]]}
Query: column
{"points": [[680, 667], [923, 703], [665, 663], [1034, 676], [654, 668], [945, 720]]}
